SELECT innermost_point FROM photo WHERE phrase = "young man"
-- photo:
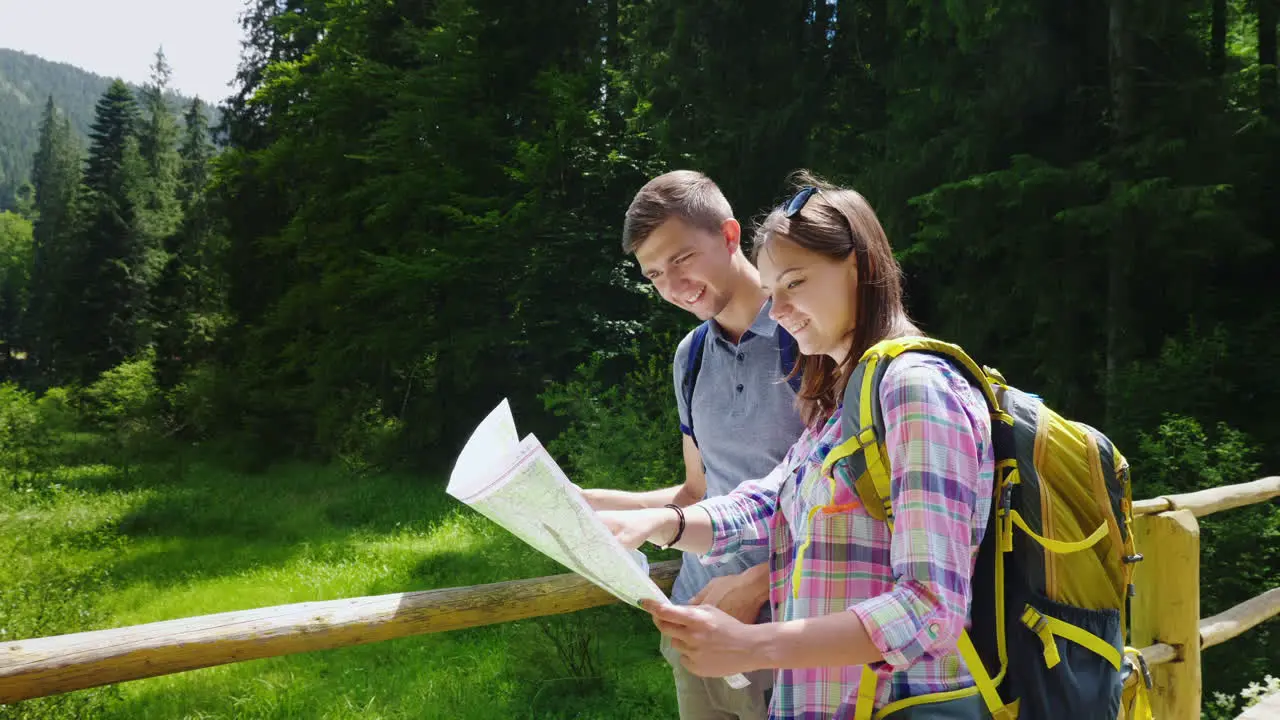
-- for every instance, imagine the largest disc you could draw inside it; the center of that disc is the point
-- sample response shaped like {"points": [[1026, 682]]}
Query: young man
{"points": [[743, 416]]}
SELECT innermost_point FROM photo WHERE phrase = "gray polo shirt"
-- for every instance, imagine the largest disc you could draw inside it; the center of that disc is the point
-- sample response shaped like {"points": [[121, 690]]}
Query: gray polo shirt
{"points": [[745, 420]]}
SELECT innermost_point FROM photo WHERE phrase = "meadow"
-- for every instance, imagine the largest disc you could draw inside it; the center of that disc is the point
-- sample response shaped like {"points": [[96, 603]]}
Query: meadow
{"points": [[91, 545]]}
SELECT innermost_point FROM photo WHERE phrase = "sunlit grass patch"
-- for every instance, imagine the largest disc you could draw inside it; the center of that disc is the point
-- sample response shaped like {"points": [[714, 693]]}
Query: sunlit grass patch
{"points": [[175, 540]]}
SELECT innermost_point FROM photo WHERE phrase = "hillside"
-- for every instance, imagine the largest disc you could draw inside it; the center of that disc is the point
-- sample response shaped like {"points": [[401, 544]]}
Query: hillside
{"points": [[26, 82]]}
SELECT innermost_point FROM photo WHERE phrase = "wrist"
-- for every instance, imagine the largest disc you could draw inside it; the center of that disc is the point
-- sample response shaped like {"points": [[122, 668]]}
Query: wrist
{"points": [[667, 524], [763, 646]]}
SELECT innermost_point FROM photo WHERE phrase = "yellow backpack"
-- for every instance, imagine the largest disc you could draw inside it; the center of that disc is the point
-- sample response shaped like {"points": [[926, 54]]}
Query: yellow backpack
{"points": [[1050, 610]]}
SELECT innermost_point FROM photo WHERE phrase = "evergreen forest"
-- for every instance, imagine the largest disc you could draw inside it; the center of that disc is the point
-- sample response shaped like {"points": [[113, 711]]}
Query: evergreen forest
{"points": [[243, 339]]}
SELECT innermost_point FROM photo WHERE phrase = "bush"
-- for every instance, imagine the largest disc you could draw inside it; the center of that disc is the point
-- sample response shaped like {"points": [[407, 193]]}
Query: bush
{"points": [[195, 403], [125, 405], [19, 426], [125, 396], [1224, 706], [1240, 549], [621, 435], [58, 410], [367, 443]]}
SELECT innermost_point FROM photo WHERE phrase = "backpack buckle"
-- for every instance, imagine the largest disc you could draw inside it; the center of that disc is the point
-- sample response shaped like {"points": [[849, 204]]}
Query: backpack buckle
{"points": [[1139, 663], [994, 373], [1034, 619], [1134, 558], [1040, 624]]}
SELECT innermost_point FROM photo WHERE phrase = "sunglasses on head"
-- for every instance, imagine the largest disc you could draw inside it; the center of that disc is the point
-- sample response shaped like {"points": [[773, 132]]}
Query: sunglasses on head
{"points": [[797, 202]]}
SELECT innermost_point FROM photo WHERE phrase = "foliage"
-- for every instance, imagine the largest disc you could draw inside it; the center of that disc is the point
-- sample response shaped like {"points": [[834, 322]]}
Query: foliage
{"points": [[1228, 707], [368, 443], [18, 425], [26, 81], [1240, 549], [407, 211], [16, 253], [123, 396], [622, 432], [48, 318]]}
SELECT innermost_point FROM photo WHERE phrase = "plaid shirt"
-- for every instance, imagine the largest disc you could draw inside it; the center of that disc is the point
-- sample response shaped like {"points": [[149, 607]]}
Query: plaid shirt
{"points": [[828, 555]]}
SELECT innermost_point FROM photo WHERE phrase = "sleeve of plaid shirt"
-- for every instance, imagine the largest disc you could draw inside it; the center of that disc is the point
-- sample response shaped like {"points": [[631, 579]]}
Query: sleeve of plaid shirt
{"points": [[740, 519], [934, 446]]}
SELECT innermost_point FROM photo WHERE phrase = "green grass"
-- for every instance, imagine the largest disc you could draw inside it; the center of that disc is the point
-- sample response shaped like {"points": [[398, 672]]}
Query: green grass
{"points": [[86, 548]]}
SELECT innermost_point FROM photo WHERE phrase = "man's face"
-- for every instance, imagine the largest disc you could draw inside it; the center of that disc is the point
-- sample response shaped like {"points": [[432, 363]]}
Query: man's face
{"points": [[691, 268]]}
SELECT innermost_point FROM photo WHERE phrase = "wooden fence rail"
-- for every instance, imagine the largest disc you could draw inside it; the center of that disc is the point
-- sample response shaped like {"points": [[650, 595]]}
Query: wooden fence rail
{"points": [[1167, 621], [1207, 502], [1223, 626], [1167, 624], [62, 663]]}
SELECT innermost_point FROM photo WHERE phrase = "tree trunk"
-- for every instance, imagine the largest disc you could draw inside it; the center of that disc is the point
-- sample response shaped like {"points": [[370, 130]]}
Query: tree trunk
{"points": [[1268, 92], [1121, 249], [612, 64], [611, 34], [1218, 39]]}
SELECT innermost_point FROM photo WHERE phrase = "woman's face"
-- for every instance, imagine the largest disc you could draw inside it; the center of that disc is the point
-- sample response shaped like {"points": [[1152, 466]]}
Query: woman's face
{"points": [[814, 296]]}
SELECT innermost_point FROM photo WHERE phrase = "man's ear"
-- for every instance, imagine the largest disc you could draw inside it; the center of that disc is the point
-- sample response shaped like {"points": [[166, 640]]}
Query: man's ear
{"points": [[731, 231]]}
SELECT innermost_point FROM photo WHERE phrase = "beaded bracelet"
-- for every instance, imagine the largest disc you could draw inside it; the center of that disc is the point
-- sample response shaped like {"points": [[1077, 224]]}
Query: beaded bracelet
{"points": [[680, 531]]}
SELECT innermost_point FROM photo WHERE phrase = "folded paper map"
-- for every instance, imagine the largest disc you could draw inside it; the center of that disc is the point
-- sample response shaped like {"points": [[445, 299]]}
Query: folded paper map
{"points": [[517, 484]]}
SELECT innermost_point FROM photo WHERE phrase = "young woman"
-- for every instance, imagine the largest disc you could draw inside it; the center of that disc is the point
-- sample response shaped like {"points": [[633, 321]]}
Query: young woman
{"points": [[845, 593]]}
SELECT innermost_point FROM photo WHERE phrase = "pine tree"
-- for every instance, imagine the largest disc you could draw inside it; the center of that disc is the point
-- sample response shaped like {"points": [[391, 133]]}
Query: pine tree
{"points": [[194, 153], [56, 179], [15, 268], [1268, 78], [185, 292], [158, 136], [112, 270]]}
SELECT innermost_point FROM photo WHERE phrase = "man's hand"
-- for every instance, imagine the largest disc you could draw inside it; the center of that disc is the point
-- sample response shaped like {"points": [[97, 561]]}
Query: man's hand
{"points": [[740, 596], [710, 642], [593, 496]]}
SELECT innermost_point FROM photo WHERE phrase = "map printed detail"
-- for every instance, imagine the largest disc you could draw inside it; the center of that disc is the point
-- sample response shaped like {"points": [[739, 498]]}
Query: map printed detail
{"points": [[518, 485]]}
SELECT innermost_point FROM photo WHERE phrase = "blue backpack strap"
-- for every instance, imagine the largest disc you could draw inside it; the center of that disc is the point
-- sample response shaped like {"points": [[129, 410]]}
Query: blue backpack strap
{"points": [[788, 350], [691, 368]]}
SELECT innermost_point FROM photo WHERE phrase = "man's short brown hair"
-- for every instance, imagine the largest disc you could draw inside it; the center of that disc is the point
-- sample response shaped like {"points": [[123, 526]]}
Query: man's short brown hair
{"points": [[686, 194]]}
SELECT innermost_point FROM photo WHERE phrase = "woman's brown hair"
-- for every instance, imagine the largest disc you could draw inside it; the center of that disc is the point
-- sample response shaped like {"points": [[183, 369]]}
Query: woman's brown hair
{"points": [[836, 222]]}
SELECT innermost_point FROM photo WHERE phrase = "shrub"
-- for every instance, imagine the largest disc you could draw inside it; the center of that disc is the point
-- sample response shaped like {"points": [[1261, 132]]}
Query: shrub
{"points": [[1240, 548], [368, 442], [125, 404], [1224, 706], [19, 427], [620, 435]]}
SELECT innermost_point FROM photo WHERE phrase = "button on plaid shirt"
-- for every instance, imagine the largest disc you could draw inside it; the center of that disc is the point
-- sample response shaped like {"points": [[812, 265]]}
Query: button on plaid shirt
{"points": [[827, 554]]}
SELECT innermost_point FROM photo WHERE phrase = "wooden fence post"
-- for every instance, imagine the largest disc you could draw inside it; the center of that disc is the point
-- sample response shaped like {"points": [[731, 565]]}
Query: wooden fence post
{"points": [[1167, 608]]}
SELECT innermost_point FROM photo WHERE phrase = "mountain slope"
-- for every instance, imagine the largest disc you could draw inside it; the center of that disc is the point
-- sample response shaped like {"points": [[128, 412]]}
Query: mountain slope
{"points": [[26, 82]]}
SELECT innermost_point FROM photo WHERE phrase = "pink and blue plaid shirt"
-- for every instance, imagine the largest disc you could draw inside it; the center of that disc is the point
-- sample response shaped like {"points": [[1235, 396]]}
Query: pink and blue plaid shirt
{"points": [[827, 555]]}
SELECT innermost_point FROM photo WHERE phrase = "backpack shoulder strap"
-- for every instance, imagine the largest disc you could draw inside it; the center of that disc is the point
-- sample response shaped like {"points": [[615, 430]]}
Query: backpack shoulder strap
{"points": [[958, 357], [863, 426], [788, 351], [691, 367]]}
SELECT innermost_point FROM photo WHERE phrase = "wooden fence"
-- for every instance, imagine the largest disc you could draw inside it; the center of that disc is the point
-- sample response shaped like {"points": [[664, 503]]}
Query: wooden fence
{"points": [[1167, 623]]}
